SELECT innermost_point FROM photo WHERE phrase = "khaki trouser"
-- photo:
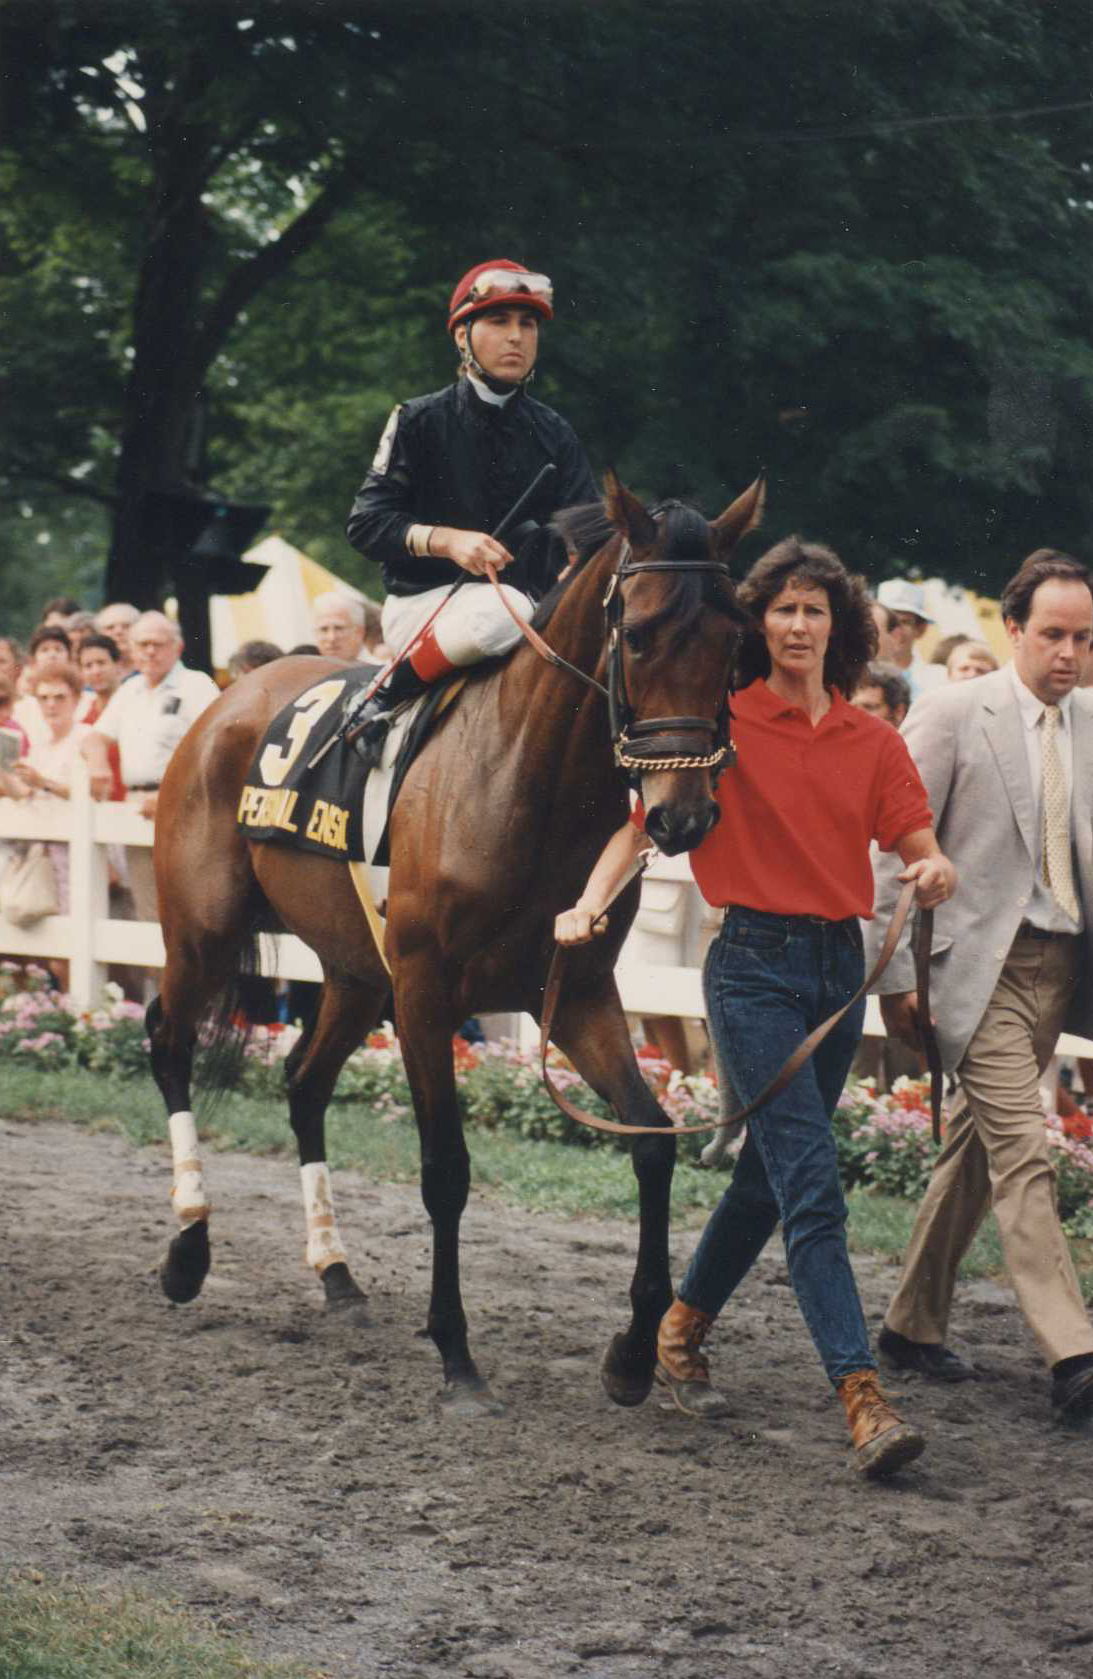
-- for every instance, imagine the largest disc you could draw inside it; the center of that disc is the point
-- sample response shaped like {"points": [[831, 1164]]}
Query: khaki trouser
{"points": [[996, 1154]]}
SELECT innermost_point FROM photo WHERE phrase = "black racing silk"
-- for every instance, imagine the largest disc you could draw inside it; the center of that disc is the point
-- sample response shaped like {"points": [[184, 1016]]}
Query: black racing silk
{"points": [[452, 459]]}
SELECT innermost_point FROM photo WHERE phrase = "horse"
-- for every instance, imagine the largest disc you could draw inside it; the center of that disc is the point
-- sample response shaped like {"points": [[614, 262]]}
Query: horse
{"points": [[495, 829]]}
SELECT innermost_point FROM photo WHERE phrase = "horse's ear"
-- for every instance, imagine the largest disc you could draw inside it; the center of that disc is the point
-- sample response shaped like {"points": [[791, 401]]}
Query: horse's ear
{"points": [[745, 514], [626, 512]]}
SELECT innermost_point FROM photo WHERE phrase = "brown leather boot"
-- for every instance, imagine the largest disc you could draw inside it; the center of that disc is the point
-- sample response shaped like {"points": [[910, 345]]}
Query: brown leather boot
{"points": [[883, 1442], [681, 1367]]}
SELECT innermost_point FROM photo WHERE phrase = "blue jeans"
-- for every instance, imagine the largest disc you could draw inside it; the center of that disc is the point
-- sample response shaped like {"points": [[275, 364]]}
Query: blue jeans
{"points": [[769, 979]]}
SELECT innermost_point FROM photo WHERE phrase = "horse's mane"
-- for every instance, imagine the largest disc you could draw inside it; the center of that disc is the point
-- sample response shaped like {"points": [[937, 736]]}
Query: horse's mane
{"points": [[586, 529]]}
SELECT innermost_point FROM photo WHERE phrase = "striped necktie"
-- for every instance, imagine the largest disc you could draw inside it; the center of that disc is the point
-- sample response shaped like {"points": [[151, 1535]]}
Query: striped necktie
{"points": [[1057, 868]]}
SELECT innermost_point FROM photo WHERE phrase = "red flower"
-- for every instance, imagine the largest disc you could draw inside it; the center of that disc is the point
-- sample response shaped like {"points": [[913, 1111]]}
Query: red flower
{"points": [[464, 1054]]}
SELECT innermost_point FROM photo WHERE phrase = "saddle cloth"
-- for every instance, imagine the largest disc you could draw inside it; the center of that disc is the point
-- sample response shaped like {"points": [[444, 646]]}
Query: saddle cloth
{"points": [[307, 787]]}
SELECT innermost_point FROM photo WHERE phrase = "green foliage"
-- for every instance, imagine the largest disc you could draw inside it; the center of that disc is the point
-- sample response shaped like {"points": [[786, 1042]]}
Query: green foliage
{"points": [[1072, 1190], [884, 1144], [499, 1096], [851, 246]]}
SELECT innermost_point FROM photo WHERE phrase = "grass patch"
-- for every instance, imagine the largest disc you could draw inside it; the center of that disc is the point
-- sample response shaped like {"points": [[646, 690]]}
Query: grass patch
{"points": [[541, 1175], [80, 1633], [881, 1224], [133, 1107]]}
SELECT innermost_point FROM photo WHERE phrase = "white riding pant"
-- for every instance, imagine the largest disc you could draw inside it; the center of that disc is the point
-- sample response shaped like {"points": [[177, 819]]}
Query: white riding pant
{"points": [[474, 625]]}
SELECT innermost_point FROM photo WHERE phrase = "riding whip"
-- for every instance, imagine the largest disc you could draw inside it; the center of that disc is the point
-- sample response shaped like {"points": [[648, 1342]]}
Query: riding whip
{"points": [[348, 732], [498, 531]]}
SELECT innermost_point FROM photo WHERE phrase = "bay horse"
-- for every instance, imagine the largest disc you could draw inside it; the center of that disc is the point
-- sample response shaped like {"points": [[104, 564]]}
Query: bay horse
{"points": [[495, 830]]}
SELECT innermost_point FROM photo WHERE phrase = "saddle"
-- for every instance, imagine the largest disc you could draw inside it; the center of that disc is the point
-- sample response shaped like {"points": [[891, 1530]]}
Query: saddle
{"points": [[305, 786]]}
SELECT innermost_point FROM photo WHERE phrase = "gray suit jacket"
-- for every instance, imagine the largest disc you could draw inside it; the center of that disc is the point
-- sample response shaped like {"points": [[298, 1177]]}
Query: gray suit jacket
{"points": [[968, 743]]}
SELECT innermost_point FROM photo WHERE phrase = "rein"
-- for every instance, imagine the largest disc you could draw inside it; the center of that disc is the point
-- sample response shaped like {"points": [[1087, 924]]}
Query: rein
{"points": [[647, 743], [800, 1055], [541, 647]]}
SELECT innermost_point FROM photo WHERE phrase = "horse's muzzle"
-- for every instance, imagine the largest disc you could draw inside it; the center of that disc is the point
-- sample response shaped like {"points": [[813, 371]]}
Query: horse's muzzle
{"points": [[676, 828]]}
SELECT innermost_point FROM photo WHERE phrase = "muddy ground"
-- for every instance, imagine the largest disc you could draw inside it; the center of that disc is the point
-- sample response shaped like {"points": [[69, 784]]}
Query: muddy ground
{"points": [[292, 1477]]}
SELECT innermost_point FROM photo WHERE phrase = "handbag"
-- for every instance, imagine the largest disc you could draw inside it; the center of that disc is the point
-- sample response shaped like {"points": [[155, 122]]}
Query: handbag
{"points": [[28, 886]]}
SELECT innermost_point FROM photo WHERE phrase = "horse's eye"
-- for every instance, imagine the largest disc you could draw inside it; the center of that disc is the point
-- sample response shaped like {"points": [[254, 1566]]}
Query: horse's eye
{"points": [[637, 640]]}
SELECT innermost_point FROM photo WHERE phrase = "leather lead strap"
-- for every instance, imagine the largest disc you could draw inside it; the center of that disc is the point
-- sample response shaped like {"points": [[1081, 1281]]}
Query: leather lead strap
{"points": [[926, 1032], [800, 1055]]}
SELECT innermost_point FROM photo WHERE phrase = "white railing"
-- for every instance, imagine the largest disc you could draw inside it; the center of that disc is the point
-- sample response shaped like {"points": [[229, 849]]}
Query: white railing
{"points": [[87, 936], [652, 990], [90, 939]]}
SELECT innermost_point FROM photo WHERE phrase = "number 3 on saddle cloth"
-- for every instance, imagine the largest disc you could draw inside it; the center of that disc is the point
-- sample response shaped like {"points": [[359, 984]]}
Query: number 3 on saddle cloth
{"points": [[307, 787]]}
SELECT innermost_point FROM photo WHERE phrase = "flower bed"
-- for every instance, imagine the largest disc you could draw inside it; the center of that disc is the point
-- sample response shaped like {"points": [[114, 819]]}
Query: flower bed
{"points": [[884, 1141]]}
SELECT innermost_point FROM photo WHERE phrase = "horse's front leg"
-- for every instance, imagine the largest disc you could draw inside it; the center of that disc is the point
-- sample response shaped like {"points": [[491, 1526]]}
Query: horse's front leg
{"points": [[591, 1029], [425, 1032]]}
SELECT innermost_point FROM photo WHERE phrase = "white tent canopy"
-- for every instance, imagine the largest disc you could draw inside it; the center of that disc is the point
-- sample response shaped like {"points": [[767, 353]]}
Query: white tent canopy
{"points": [[280, 608], [959, 611]]}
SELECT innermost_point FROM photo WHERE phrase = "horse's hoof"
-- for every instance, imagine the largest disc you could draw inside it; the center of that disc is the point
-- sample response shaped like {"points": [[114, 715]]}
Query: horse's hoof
{"points": [[186, 1265], [625, 1381], [468, 1402], [342, 1293]]}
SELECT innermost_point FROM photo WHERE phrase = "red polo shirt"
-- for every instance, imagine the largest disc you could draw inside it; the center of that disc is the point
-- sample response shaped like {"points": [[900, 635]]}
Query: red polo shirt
{"points": [[801, 805]]}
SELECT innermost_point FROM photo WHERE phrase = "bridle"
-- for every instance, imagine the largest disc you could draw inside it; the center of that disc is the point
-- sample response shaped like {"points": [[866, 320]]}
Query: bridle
{"points": [[641, 745], [657, 743]]}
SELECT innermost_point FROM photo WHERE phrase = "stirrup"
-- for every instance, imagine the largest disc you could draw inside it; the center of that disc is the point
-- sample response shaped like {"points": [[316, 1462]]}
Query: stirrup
{"points": [[368, 737]]}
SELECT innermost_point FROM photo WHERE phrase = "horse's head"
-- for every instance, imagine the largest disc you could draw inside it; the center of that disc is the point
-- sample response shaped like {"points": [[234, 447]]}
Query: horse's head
{"points": [[673, 627]]}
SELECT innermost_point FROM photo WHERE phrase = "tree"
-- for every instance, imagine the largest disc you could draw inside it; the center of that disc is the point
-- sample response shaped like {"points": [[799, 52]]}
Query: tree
{"points": [[850, 243]]}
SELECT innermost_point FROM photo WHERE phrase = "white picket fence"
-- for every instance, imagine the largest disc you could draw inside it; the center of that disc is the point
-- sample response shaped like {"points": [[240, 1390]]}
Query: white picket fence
{"points": [[87, 935], [90, 939]]}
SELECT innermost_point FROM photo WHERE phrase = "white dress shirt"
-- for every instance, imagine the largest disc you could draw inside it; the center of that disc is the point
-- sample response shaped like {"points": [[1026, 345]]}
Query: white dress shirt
{"points": [[148, 722], [1043, 911]]}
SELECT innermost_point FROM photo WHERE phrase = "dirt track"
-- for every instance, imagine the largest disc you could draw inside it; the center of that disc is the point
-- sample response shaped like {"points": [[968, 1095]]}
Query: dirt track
{"points": [[292, 1477]]}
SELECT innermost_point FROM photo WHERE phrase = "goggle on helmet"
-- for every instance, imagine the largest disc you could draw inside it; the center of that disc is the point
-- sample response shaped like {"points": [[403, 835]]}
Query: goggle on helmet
{"points": [[500, 285]]}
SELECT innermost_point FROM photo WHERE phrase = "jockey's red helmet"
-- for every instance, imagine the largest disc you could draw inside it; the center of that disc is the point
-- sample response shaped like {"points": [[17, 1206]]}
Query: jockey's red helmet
{"points": [[500, 285]]}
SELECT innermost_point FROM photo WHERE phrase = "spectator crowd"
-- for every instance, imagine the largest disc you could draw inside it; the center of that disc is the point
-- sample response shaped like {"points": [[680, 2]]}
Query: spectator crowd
{"points": [[112, 687]]}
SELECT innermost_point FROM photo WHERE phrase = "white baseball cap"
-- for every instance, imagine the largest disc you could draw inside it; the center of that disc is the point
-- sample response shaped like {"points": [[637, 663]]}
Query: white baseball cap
{"points": [[899, 594]]}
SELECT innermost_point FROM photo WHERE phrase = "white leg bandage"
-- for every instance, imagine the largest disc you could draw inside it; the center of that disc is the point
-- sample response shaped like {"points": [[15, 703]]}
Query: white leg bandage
{"points": [[188, 1189], [324, 1244]]}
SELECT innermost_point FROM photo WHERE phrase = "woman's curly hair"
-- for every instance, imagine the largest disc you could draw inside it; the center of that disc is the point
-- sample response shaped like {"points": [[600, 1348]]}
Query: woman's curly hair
{"points": [[853, 633]]}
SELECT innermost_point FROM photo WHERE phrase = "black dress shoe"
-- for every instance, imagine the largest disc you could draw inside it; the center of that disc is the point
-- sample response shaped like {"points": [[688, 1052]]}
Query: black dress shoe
{"points": [[1072, 1394], [929, 1358]]}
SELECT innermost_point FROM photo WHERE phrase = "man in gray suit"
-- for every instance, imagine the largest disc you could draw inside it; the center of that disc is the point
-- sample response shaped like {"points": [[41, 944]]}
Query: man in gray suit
{"points": [[1007, 760]]}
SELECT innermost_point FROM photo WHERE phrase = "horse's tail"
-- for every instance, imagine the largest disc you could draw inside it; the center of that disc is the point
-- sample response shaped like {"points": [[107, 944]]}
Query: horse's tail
{"points": [[225, 1028]]}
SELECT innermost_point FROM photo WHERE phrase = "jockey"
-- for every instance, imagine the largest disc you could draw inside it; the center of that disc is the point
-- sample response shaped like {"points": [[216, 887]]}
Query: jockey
{"points": [[449, 466]]}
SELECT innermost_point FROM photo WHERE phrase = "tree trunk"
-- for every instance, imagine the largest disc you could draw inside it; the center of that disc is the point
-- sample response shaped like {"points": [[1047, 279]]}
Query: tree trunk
{"points": [[164, 382]]}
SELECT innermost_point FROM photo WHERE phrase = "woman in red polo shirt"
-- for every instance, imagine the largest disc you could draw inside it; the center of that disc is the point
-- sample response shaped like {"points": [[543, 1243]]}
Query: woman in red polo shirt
{"points": [[816, 780]]}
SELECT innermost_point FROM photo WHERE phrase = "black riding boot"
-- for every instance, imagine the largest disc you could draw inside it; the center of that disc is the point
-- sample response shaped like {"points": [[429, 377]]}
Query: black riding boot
{"points": [[367, 723]]}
